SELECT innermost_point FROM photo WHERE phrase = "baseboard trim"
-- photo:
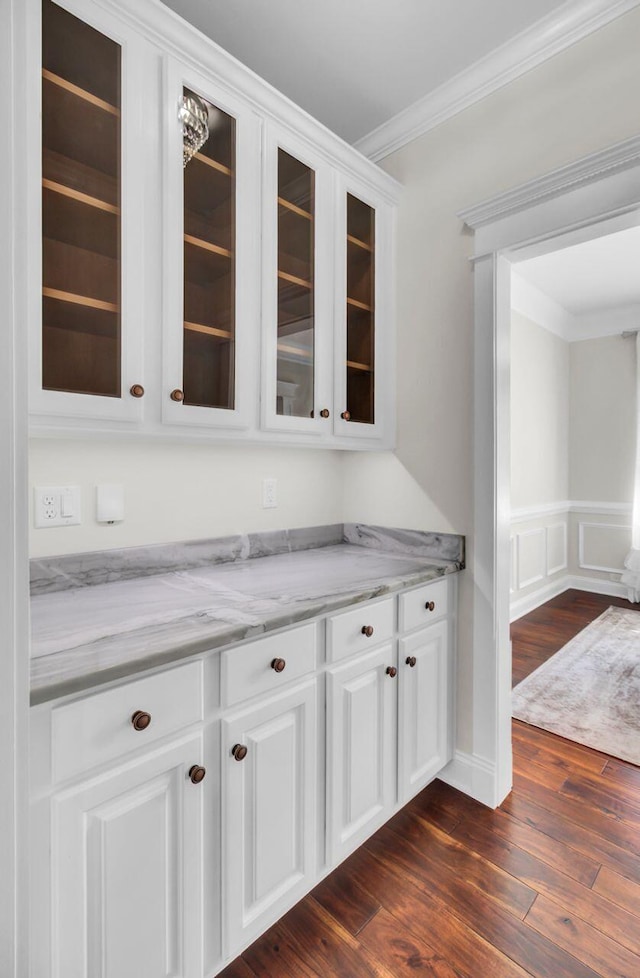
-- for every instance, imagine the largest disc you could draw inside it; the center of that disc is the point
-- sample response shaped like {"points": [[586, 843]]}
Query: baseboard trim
{"points": [[475, 776], [522, 606]]}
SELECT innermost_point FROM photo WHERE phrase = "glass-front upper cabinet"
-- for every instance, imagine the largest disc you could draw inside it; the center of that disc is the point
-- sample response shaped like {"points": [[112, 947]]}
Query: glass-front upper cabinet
{"points": [[297, 307], [85, 360], [212, 183], [363, 365]]}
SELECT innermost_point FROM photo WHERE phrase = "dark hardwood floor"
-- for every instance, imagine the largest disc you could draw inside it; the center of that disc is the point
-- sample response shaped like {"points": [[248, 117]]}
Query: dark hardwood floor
{"points": [[548, 885]]}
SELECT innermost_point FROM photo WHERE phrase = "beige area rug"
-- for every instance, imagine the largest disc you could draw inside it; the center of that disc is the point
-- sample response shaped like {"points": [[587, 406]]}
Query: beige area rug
{"points": [[589, 691]]}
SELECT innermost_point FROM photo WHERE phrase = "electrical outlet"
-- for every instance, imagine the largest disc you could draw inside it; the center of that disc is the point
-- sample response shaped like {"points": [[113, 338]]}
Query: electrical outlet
{"points": [[56, 506], [269, 493]]}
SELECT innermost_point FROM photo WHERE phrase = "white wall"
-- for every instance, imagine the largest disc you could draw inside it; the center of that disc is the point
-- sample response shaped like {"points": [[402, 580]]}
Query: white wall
{"points": [[184, 492], [539, 414]]}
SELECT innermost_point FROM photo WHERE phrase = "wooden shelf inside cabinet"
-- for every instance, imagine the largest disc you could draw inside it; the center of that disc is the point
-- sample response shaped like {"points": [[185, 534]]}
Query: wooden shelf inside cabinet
{"points": [[356, 365], [205, 262], [294, 209], [288, 351], [80, 92], [294, 280], [80, 126], [80, 300], [359, 243], [213, 331], [214, 164], [356, 304], [59, 188]]}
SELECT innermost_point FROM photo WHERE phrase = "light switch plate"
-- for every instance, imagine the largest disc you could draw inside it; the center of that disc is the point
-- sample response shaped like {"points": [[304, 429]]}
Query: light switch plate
{"points": [[269, 493], [57, 506]]}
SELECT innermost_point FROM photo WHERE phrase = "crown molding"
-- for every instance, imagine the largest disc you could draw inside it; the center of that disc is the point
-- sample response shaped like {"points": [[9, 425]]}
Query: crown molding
{"points": [[575, 20], [621, 156]]}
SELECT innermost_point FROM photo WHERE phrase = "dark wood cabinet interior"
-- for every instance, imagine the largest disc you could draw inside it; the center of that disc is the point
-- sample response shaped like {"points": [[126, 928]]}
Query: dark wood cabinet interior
{"points": [[360, 310]]}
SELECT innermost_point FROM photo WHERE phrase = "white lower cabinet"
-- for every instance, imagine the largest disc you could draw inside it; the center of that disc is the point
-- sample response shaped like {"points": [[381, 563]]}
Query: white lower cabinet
{"points": [[311, 737], [361, 746], [269, 801], [127, 871], [423, 708]]}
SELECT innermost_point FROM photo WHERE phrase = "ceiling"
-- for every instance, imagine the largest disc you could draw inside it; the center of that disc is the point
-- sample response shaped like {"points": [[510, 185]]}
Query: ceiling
{"points": [[589, 290], [354, 64]]}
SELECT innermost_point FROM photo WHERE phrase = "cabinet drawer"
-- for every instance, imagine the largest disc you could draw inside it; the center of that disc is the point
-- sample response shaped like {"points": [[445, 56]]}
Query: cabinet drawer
{"points": [[346, 635], [99, 728], [251, 669], [415, 606]]}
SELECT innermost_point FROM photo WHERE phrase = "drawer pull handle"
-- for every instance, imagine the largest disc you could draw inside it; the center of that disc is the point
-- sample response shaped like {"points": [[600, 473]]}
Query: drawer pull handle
{"points": [[278, 665], [367, 630], [140, 720], [411, 661], [346, 416], [430, 605], [197, 773], [391, 671], [177, 395], [239, 752], [137, 390], [324, 413]]}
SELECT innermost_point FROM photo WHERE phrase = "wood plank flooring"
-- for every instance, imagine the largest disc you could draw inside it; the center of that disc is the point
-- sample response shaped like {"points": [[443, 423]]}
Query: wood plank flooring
{"points": [[548, 885]]}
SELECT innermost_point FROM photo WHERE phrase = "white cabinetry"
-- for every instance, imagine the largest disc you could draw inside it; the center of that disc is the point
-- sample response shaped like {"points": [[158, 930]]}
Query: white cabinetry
{"points": [[361, 746], [127, 871], [214, 296], [269, 796], [140, 873]]}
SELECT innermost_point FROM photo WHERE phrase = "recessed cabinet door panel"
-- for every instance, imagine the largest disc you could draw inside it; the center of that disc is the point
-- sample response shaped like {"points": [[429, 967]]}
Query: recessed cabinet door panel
{"points": [[423, 708], [212, 165], [127, 872], [361, 747], [270, 810], [88, 353]]}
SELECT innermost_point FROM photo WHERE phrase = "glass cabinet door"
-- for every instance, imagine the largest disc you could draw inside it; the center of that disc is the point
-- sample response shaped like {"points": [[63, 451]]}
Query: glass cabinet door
{"points": [[360, 312], [209, 262], [81, 191], [296, 306]]}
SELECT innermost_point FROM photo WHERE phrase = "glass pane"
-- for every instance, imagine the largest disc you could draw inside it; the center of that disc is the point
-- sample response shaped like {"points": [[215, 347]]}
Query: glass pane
{"points": [[209, 265], [294, 396], [360, 310], [80, 206]]}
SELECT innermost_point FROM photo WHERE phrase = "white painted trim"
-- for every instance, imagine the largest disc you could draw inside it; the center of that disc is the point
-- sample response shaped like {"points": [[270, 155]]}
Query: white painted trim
{"points": [[550, 571], [622, 156], [570, 582], [474, 775], [14, 572], [543, 40], [581, 557], [537, 531], [526, 513], [536, 305]]}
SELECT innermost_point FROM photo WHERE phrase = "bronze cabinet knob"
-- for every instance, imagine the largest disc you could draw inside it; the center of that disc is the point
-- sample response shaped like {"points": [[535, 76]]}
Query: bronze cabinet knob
{"points": [[411, 661], [367, 630], [391, 671], [137, 390], [239, 752], [177, 395], [278, 665], [346, 416], [430, 605], [140, 720], [197, 773], [324, 413]]}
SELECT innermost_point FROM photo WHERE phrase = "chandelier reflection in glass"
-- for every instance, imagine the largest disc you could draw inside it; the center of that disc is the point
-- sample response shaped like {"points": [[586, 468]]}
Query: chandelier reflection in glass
{"points": [[194, 117]]}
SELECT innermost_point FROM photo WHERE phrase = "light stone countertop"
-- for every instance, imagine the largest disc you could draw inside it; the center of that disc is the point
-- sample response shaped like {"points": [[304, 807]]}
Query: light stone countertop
{"points": [[85, 636]]}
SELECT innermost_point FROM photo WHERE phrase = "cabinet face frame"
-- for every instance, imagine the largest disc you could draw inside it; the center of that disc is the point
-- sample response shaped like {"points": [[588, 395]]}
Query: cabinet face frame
{"points": [[178, 76], [135, 95], [383, 426], [276, 138]]}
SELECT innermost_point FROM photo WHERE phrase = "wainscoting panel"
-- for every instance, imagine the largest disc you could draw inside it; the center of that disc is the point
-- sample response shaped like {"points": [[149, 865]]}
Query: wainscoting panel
{"points": [[557, 555], [532, 558], [603, 546]]}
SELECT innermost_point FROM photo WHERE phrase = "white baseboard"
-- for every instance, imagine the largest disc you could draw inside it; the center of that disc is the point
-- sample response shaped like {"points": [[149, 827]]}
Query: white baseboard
{"points": [[522, 606], [473, 775]]}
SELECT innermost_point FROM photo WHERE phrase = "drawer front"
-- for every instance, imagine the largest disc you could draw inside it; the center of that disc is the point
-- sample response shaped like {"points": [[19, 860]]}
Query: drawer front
{"points": [[347, 633], [251, 669], [415, 609], [99, 728]]}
